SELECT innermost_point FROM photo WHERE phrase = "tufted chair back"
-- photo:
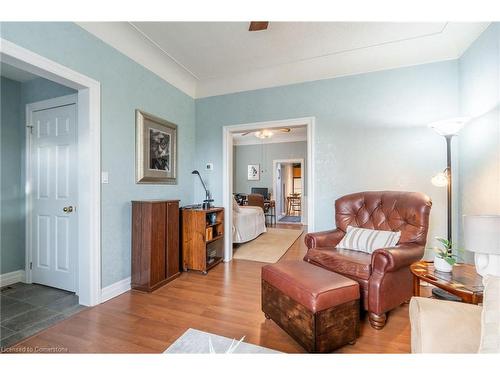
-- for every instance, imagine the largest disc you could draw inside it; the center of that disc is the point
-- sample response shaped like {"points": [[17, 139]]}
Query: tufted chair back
{"points": [[386, 210]]}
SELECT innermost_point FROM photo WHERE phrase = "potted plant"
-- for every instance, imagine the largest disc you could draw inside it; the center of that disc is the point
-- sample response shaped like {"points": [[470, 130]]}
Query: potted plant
{"points": [[444, 258]]}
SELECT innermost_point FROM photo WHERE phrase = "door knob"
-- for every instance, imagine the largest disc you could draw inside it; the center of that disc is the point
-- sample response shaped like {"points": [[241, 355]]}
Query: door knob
{"points": [[68, 209]]}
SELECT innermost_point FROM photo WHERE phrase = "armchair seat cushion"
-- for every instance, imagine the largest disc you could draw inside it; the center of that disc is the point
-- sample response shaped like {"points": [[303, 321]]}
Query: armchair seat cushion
{"points": [[347, 262]]}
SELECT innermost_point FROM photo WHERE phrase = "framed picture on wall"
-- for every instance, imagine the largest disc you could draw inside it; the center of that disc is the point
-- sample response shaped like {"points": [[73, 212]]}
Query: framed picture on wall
{"points": [[156, 150], [253, 172]]}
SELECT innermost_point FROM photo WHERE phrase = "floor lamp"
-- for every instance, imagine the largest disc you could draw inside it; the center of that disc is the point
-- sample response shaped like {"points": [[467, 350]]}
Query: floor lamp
{"points": [[448, 129]]}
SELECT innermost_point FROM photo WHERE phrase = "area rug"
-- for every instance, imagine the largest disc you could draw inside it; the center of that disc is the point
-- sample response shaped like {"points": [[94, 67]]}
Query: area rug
{"points": [[269, 247], [290, 219], [199, 342]]}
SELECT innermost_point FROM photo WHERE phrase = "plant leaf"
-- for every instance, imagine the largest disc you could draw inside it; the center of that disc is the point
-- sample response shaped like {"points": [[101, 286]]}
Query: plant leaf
{"points": [[445, 242], [451, 261]]}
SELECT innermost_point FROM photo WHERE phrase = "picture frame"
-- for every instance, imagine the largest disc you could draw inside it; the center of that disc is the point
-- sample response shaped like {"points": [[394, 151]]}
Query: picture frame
{"points": [[253, 172], [156, 149]]}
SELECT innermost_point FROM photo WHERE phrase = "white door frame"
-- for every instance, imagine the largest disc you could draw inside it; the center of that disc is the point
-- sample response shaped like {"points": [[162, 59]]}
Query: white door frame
{"points": [[30, 108], [302, 164], [227, 170], [89, 161]]}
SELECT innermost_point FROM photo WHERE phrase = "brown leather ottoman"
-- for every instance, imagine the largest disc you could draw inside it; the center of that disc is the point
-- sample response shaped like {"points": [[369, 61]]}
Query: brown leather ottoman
{"points": [[318, 308]]}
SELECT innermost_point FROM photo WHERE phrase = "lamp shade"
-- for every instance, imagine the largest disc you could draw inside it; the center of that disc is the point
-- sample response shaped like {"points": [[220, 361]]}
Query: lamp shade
{"points": [[440, 180], [450, 126], [482, 233]]}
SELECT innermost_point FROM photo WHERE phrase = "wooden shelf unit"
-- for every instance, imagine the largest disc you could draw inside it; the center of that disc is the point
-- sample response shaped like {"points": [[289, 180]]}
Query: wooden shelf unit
{"points": [[202, 239]]}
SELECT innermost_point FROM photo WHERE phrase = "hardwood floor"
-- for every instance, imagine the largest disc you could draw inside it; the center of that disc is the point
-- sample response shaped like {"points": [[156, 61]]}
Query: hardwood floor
{"points": [[225, 302]]}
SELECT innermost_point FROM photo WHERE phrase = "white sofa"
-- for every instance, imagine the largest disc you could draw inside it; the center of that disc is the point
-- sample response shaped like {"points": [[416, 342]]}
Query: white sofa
{"points": [[248, 223], [453, 327]]}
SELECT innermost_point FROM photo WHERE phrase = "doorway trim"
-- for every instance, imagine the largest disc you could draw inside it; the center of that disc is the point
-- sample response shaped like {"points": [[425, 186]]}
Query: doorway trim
{"points": [[227, 170], [89, 161], [290, 161]]}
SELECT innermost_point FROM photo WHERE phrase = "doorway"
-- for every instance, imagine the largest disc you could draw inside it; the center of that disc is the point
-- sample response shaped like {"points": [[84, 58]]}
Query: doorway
{"points": [[51, 174], [227, 160], [88, 169], [288, 177]]}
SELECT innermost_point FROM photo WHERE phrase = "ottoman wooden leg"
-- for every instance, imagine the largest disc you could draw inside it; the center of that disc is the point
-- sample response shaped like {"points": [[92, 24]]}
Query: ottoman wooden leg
{"points": [[377, 321]]}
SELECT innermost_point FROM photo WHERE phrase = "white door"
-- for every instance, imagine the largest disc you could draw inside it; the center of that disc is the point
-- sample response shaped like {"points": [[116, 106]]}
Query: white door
{"points": [[54, 193]]}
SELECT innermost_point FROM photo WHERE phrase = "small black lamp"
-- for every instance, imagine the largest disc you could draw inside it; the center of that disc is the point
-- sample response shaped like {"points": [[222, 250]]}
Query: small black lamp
{"points": [[207, 203]]}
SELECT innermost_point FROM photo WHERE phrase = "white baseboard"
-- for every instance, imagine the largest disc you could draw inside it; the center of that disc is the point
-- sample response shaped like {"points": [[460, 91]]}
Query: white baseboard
{"points": [[12, 278], [113, 290]]}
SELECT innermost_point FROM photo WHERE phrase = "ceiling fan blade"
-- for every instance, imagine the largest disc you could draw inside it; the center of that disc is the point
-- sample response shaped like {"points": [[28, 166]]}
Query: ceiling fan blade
{"points": [[258, 25]]}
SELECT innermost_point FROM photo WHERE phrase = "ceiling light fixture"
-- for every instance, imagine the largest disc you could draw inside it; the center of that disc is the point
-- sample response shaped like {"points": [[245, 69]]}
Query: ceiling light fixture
{"points": [[264, 134]]}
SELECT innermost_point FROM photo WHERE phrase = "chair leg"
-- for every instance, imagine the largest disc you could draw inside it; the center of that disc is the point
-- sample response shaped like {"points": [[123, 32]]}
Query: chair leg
{"points": [[377, 321]]}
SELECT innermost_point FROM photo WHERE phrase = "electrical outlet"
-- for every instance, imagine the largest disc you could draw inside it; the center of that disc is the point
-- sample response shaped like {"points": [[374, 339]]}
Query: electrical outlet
{"points": [[209, 167]]}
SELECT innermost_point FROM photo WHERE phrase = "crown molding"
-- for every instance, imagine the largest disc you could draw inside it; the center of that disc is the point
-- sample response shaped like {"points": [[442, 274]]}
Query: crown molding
{"points": [[398, 54], [131, 41], [125, 38]]}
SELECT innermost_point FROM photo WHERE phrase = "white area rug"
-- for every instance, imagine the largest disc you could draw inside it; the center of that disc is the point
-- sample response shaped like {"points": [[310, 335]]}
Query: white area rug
{"points": [[198, 342]]}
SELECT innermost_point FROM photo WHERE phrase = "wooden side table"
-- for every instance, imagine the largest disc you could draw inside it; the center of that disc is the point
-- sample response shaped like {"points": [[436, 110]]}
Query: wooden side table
{"points": [[463, 281]]}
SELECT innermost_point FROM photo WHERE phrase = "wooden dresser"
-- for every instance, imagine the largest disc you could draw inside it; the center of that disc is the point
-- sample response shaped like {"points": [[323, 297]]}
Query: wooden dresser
{"points": [[155, 243], [202, 238]]}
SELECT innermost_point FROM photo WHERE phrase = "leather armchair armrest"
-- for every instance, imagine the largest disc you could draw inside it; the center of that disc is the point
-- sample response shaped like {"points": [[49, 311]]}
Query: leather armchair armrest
{"points": [[393, 258], [323, 239]]}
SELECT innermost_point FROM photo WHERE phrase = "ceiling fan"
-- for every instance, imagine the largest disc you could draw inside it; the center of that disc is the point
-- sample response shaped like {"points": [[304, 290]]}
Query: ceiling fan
{"points": [[266, 133], [258, 25]]}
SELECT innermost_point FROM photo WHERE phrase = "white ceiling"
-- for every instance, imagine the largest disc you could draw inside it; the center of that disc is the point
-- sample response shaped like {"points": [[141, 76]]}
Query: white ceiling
{"points": [[296, 134], [11, 72], [213, 58], [217, 49]]}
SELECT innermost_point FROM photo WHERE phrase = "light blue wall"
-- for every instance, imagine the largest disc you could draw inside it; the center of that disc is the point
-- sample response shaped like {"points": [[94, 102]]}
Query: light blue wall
{"points": [[370, 128], [125, 86], [263, 154], [11, 187], [370, 131], [39, 89], [479, 140]]}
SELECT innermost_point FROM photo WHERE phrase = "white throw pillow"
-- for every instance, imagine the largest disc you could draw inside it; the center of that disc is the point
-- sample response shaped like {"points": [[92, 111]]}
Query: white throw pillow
{"points": [[368, 240], [490, 316]]}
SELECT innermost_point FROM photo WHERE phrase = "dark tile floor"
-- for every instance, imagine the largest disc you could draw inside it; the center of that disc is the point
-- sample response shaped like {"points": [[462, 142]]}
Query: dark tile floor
{"points": [[26, 309]]}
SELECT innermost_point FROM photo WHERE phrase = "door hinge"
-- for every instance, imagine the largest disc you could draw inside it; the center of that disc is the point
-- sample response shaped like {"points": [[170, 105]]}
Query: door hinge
{"points": [[31, 265], [30, 128]]}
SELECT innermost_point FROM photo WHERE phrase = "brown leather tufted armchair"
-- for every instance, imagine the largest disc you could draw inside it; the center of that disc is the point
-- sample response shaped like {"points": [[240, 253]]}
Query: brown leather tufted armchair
{"points": [[384, 276]]}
